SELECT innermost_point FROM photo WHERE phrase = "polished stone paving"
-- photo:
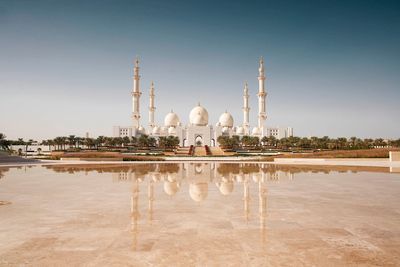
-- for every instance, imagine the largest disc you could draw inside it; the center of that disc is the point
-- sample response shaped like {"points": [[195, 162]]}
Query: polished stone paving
{"points": [[199, 214]]}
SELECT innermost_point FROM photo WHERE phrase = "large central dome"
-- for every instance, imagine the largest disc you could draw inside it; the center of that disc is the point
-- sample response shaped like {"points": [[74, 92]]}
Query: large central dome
{"points": [[171, 120], [198, 116], [226, 120]]}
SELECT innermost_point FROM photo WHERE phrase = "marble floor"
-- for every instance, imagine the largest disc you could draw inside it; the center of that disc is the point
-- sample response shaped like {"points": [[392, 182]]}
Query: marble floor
{"points": [[199, 214]]}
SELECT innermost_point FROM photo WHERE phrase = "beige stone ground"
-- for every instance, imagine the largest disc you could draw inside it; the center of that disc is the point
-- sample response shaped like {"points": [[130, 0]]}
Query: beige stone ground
{"points": [[95, 218]]}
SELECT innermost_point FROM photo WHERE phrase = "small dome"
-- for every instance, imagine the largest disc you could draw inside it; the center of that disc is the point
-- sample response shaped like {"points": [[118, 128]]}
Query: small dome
{"points": [[141, 130], [198, 192], [198, 116], [226, 120], [170, 188], [171, 119], [225, 130], [256, 131], [172, 130], [240, 130], [225, 187], [156, 130]]}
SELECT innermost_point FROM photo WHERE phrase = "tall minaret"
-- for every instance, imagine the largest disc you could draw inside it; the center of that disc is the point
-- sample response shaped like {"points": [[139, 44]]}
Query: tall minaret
{"points": [[262, 116], [246, 108], [136, 96], [152, 108]]}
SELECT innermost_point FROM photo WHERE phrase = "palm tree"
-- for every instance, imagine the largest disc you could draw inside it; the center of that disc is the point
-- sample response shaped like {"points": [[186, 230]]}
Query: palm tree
{"points": [[143, 140], [4, 143], [59, 142], [100, 140], [64, 141], [78, 141], [50, 143], [89, 142], [126, 140], [71, 140], [28, 143]]}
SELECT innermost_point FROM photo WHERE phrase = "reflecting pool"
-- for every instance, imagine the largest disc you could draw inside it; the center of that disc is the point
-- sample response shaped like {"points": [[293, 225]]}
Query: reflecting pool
{"points": [[199, 214]]}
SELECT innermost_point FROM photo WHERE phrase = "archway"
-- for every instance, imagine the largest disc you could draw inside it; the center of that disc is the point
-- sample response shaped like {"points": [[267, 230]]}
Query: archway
{"points": [[185, 142], [198, 141], [212, 142]]}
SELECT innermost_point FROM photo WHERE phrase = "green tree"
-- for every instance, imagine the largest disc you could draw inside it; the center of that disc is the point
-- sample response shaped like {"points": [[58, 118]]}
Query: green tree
{"points": [[143, 140], [71, 140], [126, 140], [4, 143]]}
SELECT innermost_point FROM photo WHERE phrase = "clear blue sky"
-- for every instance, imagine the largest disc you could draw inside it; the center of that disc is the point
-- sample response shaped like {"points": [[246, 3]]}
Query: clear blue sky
{"points": [[333, 67]]}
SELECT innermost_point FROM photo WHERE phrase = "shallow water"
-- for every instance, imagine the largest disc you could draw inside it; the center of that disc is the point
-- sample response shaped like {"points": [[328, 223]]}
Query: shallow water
{"points": [[199, 214]]}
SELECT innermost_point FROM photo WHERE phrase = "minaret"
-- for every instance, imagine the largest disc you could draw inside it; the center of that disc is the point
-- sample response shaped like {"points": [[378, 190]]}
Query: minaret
{"points": [[262, 116], [246, 109], [136, 96], [152, 108]]}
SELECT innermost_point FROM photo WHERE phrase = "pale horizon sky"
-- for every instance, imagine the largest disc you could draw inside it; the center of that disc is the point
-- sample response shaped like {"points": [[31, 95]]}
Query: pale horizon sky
{"points": [[333, 68]]}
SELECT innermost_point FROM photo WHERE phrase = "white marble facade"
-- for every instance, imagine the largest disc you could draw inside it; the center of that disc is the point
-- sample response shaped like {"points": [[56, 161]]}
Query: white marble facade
{"points": [[199, 131]]}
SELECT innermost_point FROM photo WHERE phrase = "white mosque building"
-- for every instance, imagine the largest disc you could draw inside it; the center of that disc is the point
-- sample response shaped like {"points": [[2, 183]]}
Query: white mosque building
{"points": [[199, 131]]}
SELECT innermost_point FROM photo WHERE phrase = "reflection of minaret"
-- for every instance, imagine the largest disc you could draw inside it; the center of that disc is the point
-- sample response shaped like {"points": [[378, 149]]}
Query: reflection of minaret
{"points": [[246, 199], [151, 106], [246, 109], [262, 116], [135, 213], [150, 194], [136, 96], [262, 208]]}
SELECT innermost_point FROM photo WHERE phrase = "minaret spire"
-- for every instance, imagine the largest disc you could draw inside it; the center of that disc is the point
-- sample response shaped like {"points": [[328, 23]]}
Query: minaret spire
{"points": [[152, 108], [246, 109], [262, 116], [136, 96]]}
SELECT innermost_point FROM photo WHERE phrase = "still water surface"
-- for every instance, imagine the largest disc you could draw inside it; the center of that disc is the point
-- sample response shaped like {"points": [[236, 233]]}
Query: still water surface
{"points": [[199, 214]]}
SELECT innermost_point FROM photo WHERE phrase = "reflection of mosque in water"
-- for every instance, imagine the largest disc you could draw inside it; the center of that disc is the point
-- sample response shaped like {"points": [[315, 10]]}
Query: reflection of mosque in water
{"points": [[199, 177], [248, 181]]}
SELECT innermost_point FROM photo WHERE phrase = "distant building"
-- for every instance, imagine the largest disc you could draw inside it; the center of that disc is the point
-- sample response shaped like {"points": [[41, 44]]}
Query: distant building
{"points": [[199, 131]]}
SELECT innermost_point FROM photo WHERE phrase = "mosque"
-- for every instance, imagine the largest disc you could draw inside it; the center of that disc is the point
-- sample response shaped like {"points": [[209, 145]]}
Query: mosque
{"points": [[199, 131]]}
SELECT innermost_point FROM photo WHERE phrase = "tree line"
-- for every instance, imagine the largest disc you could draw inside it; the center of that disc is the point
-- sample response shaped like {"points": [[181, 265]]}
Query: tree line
{"points": [[233, 142], [76, 142], [314, 142]]}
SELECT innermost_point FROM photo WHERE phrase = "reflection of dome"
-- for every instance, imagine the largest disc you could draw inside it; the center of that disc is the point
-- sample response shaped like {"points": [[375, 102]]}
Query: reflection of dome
{"points": [[198, 192], [171, 119], [170, 188], [198, 168], [199, 116], [256, 131], [239, 178], [225, 187], [226, 120], [156, 177], [156, 130], [171, 131], [170, 178], [240, 130]]}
